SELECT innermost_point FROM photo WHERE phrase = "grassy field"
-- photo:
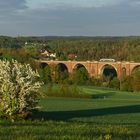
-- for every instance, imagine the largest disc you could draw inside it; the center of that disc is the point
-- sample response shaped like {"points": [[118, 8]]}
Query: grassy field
{"points": [[108, 115]]}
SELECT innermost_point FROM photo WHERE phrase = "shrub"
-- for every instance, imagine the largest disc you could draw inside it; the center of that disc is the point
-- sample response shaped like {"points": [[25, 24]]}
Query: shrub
{"points": [[64, 90], [96, 81], [126, 84], [136, 80], [115, 83], [18, 89], [80, 76]]}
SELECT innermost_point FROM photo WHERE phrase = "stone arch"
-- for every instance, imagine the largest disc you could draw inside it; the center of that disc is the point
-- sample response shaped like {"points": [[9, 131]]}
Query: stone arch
{"points": [[61, 71], [135, 68], [62, 66], [45, 72], [80, 74], [108, 69], [79, 65], [124, 72], [43, 65]]}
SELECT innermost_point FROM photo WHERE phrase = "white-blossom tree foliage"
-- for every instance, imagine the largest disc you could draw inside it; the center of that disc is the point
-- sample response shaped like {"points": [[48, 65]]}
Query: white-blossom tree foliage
{"points": [[18, 89]]}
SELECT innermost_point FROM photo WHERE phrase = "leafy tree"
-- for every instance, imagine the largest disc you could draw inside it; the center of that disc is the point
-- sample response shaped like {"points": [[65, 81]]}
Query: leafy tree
{"points": [[136, 80], [18, 90], [45, 74], [80, 76], [126, 83], [61, 73], [115, 83]]}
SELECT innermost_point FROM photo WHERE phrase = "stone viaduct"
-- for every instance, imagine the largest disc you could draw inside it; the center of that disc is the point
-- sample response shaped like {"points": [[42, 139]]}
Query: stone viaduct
{"points": [[95, 68]]}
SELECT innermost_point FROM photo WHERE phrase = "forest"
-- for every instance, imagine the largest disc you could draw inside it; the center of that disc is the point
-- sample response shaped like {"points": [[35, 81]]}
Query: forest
{"points": [[27, 50], [86, 48]]}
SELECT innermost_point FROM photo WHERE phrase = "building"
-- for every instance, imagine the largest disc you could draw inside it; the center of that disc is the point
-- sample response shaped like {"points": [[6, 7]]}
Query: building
{"points": [[47, 54]]}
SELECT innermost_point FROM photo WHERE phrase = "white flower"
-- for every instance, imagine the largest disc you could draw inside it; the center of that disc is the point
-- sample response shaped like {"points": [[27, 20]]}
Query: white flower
{"points": [[18, 89]]}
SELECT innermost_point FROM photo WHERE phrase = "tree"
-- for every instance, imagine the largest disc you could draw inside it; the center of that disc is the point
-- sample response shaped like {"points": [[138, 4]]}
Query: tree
{"points": [[115, 83], [126, 84], [45, 74], [80, 76], [136, 80], [18, 89], [61, 73]]}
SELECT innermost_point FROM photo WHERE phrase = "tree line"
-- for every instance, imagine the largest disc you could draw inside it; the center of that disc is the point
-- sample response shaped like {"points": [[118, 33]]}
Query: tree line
{"points": [[85, 48], [120, 49], [55, 74]]}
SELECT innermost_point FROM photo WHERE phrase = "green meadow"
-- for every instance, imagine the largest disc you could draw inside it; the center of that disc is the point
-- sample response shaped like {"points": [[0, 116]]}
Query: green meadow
{"points": [[109, 114]]}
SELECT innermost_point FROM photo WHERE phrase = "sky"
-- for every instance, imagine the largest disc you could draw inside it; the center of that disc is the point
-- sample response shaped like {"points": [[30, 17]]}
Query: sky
{"points": [[70, 17]]}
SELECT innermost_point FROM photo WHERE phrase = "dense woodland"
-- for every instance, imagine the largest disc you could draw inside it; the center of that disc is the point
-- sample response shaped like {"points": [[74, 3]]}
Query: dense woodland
{"points": [[120, 49], [86, 48], [27, 50]]}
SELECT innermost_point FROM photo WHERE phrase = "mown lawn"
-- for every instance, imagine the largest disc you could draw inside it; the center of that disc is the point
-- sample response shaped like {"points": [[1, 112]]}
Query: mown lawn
{"points": [[108, 115]]}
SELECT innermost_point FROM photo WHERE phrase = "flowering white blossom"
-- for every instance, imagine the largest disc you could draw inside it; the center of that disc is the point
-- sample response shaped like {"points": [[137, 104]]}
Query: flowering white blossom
{"points": [[18, 89]]}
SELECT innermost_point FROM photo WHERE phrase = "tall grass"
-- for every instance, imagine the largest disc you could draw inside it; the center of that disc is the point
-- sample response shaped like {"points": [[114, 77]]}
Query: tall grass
{"points": [[64, 90], [52, 130]]}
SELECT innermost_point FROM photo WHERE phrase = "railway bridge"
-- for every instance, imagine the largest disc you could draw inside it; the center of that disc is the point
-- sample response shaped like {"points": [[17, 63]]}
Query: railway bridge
{"points": [[95, 68]]}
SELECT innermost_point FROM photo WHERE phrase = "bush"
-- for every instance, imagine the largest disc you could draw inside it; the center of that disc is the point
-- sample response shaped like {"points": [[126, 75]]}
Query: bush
{"points": [[80, 76], [115, 83], [126, 84], [136, 80], [64, 90], [95, 81], [18, 90]]}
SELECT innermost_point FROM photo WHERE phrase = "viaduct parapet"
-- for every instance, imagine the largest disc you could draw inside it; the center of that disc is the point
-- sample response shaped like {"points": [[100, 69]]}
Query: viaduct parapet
{"points": [[95, 68]]}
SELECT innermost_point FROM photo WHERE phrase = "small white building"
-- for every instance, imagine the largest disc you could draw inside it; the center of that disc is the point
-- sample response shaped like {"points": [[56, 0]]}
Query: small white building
{"points": [[53, 55], [26, 43], [47, 54]]}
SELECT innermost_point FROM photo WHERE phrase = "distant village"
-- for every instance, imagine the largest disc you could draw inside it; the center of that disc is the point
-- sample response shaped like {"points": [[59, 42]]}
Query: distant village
{"points": [[47, 54]]}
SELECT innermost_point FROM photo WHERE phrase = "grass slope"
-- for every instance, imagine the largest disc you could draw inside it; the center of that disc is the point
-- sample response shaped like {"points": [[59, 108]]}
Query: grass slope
{"points": [[107, 106], [108, 115]]}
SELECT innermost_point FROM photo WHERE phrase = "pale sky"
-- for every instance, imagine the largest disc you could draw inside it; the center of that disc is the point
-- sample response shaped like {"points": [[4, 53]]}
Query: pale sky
{"points": [[70, 17]]}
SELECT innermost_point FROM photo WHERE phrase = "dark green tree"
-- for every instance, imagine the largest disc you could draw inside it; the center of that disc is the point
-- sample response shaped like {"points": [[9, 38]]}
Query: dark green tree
{"points": [[115, 83], [126, 83], [80, 76], [136, 80], [45, 74]]}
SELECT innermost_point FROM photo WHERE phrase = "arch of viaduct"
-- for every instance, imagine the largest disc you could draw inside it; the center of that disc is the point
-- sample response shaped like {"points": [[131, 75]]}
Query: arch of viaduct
{"points": [[95, 68]]}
